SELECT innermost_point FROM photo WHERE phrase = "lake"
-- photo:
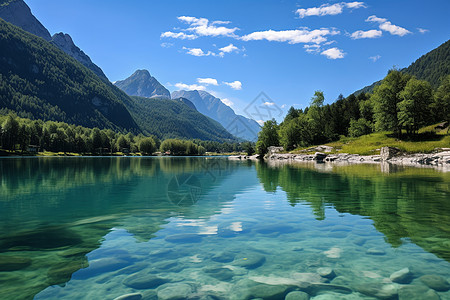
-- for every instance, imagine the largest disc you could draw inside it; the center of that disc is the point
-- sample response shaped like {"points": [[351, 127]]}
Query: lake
{"points": [[211, 228]]}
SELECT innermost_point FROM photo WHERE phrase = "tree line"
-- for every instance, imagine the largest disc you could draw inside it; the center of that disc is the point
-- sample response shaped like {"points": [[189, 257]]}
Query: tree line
{"points": [[401, 104], [20, 134]]}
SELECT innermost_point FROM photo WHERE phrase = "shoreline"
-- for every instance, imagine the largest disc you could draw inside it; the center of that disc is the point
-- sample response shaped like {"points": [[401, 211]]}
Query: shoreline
{"points": [[439, 160]]}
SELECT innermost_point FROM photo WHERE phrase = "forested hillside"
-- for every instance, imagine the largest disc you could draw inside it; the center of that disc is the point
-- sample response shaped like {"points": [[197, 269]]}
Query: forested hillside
{"points": [[39, 81], [174, 119]]}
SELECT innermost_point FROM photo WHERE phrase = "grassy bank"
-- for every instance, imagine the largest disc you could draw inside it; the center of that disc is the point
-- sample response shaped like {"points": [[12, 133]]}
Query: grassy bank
{"points": [[425, 142]]}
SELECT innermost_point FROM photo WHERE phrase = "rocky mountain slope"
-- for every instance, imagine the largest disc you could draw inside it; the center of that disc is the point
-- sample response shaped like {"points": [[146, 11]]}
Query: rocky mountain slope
{"points": [[18, 13], [142, 84], [214, 108]]}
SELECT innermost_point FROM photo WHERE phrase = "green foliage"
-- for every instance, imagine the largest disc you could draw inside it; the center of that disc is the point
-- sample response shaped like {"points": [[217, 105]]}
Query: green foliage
{"points": [[360, 127], [249, 148], [441, 104], [385, 98], [39, 81], [268, 136], [10, 131], [414, 109], [147, 145], [181, 147]]}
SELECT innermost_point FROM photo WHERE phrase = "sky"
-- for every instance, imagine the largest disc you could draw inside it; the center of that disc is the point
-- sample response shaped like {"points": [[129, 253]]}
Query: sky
{"points": [[238, 49]]}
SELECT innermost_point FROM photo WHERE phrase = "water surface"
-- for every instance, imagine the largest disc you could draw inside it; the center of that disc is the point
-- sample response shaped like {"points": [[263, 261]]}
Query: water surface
{"points": [[209, 228]]}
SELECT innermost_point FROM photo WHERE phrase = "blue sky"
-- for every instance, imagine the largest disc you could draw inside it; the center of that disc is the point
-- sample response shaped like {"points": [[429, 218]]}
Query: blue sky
{"points": [[237, 49]]}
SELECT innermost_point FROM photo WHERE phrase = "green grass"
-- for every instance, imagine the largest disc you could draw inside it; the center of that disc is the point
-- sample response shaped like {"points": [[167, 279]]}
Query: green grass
{"points": [[427, 141]]}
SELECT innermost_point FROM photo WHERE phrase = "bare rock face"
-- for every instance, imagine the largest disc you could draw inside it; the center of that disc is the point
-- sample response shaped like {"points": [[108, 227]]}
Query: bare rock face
{"points": [[64, 42], [388, 152], [142, 84], [18, 13]]}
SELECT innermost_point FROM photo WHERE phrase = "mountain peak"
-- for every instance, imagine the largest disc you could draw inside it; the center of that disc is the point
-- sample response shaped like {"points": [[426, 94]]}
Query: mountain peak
{"points": [[18, 13], [142, 84]]}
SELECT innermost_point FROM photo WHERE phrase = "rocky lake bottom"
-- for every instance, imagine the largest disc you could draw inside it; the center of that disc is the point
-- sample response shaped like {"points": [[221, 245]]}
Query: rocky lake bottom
{"points": [[239, 231]]}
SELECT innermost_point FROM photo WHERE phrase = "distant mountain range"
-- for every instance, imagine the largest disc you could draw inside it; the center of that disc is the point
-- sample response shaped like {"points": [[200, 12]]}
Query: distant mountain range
{"points": [[431, 67], [214, 108], [142, 84]]}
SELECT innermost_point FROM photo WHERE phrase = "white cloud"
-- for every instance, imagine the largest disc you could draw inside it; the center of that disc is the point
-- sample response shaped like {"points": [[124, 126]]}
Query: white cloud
{"points": [[227, 102], [201, 27], [370, 34], [260, 122], [422, 30], [376, 19], [178, 35], [314, 48], [235, 85], [183, 86], [388, 26], [207, 81], [333, 53], [354, 5], [292, 36], [394, 29], [166, 45], [375, 58], [268, 103], [198, 52], [327, 9], [230, 48]]}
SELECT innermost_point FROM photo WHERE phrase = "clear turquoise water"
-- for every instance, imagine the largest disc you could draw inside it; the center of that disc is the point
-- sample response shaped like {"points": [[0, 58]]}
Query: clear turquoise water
{"points": [[209, 228]]}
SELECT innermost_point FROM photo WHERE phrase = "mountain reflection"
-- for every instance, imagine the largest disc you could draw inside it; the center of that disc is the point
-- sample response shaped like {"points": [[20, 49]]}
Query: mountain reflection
{"points": [[405, 203]]}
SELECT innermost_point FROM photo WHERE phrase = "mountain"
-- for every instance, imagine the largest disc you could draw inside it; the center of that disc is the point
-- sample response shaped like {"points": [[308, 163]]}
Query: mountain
{"points": [[142, 84], [18, 13], [64, 42], [174, 119], [214, 108], [39, 81], [431, 67]]}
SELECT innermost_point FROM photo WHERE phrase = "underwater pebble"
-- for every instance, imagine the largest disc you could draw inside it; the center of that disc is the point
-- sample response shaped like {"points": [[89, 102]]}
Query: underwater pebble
{"points": [[144, 281], [175, 291], [378, 290], [402, 276], [134, 296], [223, 257], [436, 282], [249, 260], [375, 251], [416, 292], [297, 295], [326, 272]]}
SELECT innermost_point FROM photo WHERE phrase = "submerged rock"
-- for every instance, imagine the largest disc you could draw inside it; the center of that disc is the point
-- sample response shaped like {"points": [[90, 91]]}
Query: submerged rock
{"points": [[378, 290], [266, 292], [100, 266], [417, 292], [223, 274], [133, 296], [297, 295], [223, 257], [436, 282], [175, 291], [249, 260], [326, 272], [375, 251], [402, 276], [142, 281]]}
